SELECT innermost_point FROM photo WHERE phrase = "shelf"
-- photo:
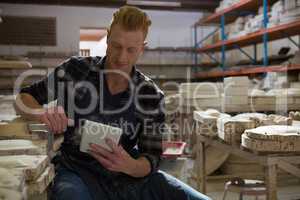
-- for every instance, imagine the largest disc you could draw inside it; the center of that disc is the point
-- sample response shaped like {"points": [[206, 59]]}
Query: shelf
{"points": [[274, 33], [246, 71], [178, 65], [49, 55], [171, 49], [242, 6]]}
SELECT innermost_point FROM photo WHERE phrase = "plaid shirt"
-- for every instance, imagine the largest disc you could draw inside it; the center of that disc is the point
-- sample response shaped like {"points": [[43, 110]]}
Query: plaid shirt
{"points": [[149, 98]]}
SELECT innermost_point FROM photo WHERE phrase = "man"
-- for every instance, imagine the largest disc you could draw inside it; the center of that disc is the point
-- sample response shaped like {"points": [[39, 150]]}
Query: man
{"points": [[112, 91]]}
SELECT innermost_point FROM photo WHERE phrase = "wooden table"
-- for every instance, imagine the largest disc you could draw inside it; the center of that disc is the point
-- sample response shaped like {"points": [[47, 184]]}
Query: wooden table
{"points": [[284, 161]]}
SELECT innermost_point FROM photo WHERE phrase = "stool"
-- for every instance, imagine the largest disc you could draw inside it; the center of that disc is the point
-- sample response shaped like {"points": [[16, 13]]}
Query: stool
{"points": [[245, 187]]}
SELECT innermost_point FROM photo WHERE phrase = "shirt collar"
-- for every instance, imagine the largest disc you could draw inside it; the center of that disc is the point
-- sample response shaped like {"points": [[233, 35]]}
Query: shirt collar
{"points": [[133, 74]]}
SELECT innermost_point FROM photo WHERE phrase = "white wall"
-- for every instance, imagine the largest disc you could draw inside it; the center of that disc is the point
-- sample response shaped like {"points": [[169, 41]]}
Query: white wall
{"points": [[97, 48], [168, 28]]}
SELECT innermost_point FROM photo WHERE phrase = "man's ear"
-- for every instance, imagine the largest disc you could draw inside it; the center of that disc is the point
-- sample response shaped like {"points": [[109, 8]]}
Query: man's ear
{"points": [[107, 36], [144, 46]]}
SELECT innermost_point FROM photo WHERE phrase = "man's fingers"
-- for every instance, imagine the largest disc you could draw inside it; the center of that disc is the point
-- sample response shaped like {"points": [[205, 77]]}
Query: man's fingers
{"points": [[52, 122], [46, 121], [62, 114], [63, 118], [55, 119], [51, 118], [110, 160], [58, 121], [63, 123], [112, 145], [104, 161], [71, 122], [103, 152], [122, 150]]}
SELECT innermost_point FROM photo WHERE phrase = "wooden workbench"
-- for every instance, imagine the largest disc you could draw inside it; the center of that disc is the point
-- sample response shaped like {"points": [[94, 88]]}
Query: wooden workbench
{"points": [[272, 162]]}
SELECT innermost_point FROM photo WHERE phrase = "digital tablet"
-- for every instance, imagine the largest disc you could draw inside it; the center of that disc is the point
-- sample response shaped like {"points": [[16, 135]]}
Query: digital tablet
{"points": [[95, 132]]}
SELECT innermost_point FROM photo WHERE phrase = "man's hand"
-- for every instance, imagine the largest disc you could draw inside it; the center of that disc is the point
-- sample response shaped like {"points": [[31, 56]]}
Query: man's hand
{"points": [[119, 160], [55, 119]]}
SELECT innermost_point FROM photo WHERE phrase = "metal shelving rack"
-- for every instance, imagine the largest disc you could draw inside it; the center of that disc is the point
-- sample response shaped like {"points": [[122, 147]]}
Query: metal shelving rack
{"points": [[264, 35]]}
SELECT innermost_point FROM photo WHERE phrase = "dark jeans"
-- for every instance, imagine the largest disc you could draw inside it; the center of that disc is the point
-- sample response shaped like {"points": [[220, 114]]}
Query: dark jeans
{"points": [[68, 185]]}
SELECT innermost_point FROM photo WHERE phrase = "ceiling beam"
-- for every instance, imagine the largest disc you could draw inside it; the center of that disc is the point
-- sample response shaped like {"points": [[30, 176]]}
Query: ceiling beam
{"points": [[186, 5]]}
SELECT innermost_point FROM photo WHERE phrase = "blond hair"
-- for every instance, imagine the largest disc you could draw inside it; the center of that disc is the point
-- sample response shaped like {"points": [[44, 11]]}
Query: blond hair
{"points": [[130, 18]]}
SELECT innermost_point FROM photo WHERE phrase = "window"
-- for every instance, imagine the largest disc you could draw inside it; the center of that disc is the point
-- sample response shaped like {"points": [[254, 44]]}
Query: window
{"points": [[85, 52], [93, 40], [28, 31]]}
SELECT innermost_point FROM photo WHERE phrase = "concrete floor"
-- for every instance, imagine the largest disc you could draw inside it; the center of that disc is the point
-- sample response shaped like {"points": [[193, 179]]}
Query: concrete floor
{"points": [[291, 192], [288, 186]]}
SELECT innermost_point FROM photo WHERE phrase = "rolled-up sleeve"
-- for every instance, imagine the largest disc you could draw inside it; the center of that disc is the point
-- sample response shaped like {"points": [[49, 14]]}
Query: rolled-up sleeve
{"points": [[153, 126], [47, 89], [44, 90]]}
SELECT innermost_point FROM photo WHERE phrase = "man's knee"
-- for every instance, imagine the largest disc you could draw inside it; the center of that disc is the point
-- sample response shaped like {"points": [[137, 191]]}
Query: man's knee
{"points": [[163, 188], [69, 186], [65, 190], [191, 193]]}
